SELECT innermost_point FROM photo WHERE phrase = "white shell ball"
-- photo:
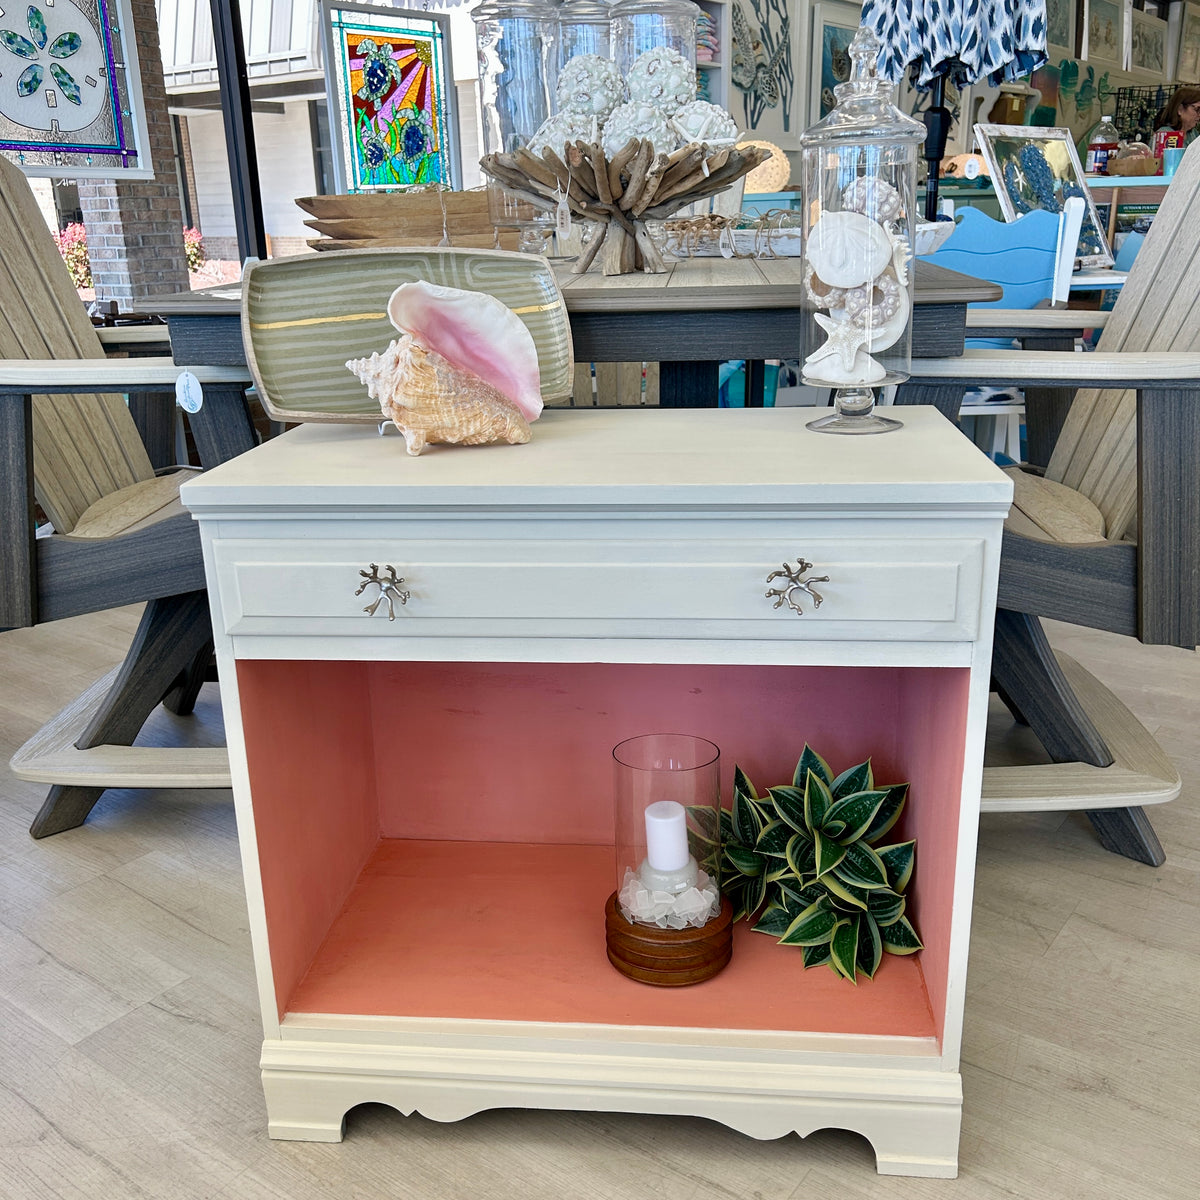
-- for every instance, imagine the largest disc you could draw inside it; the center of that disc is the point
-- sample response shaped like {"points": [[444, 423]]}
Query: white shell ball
{"points": [[664, 78], [590, 85], [556, 131], [847, 249], [634, 120], [874, 197], [701, 121]]}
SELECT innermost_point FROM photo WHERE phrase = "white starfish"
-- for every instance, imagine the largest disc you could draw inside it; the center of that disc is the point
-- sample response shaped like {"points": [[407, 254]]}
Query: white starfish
{"points": [[845, 340]]}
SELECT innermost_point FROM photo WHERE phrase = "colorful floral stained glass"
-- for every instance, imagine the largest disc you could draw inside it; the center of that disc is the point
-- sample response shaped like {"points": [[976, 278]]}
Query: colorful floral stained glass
{"points": [[391, 97], [70, 99]]}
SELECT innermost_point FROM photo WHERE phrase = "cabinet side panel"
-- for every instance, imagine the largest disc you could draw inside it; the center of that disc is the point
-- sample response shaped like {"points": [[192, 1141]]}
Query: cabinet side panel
{"points": [[312, 779], [931, 743]]}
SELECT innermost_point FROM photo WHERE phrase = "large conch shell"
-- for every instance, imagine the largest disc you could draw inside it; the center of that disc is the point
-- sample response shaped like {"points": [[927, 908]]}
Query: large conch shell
{"points": [[465, 371]]}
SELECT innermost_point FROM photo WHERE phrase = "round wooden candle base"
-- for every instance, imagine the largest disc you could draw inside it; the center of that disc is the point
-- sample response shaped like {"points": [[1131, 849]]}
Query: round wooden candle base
{"points": [[668, 957]]}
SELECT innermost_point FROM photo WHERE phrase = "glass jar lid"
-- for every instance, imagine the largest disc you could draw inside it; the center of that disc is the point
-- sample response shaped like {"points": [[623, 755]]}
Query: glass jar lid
{"points": [[864, 110], [633, 8], [499, 10]]}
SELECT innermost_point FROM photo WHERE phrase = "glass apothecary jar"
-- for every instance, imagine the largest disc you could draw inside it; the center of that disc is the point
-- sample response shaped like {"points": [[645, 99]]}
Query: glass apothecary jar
{"points": [[584, 27], [641, 25], [516, 43], [859, 174], [666, 923]]}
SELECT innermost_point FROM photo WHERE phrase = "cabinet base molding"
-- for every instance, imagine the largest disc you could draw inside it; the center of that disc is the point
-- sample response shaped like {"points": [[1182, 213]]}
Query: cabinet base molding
{"points": [[910, 1113]]}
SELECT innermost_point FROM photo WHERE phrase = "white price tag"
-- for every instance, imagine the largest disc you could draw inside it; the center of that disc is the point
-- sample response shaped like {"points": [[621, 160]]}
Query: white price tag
{"points": [[971, 168], [562, 218], [189, 395]]}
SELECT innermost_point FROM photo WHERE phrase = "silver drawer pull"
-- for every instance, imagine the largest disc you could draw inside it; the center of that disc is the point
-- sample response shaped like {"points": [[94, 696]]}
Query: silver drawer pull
{"points": [[787, 594], [389, 589]]}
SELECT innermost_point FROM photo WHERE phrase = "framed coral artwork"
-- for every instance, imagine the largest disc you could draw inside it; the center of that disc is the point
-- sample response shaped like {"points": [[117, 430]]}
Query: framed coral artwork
{"points": [[392, 115], [1034, 168], [764, 73], [1187, 69], [70, 90], [834, 24]]}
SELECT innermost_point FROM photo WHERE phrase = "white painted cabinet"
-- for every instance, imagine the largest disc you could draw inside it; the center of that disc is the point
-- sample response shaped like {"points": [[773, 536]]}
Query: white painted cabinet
{"points": [[424, 803]]}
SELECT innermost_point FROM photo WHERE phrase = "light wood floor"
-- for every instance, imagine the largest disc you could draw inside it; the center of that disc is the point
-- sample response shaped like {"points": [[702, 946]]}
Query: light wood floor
{"points": [[129, 1034]]}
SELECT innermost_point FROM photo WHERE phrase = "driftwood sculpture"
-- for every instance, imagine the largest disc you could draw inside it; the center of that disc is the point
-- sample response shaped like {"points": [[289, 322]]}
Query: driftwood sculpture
{"points": [[622, 193]]}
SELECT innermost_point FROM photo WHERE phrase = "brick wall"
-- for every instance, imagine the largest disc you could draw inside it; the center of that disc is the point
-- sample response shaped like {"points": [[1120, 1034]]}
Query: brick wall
{"points": [[135, 228]]}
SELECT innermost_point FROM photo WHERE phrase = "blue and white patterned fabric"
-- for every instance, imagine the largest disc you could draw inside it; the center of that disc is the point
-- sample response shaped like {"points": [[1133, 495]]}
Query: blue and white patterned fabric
{"points": [[964, 40]]}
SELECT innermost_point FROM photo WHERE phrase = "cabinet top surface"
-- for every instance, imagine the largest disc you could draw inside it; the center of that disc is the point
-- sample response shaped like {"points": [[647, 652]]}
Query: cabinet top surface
{"points": [[699, 458]]}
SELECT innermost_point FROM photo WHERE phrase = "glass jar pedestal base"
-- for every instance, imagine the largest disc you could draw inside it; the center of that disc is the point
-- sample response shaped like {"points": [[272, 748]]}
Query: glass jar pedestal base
{"points": [[855, 412], [668, 957]]}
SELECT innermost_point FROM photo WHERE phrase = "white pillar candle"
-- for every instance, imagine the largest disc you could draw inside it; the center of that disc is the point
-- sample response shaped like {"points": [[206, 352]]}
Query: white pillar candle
{"points": [[666, 836]]}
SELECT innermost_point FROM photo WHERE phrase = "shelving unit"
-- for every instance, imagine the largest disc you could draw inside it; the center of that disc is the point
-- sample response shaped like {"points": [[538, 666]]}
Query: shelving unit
{"points": [[424, 804], [718, 71]]}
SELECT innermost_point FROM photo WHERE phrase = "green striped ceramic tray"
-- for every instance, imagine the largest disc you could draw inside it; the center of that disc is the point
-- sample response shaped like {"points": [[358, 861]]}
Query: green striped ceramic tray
{"points": [[303, 317]]}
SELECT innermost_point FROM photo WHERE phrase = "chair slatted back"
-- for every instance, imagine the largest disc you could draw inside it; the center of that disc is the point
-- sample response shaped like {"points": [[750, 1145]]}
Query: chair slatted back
{"points": [[1096, 453], [84, 447]]}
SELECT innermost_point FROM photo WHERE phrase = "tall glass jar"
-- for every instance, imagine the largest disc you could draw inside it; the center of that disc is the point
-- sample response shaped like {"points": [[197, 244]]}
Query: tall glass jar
{"points": [[859, 172], [584, 27], [641, 25], [515, 41]]}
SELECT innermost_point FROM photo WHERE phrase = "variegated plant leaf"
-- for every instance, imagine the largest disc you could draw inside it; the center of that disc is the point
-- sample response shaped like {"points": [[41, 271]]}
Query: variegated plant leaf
{"points": [[754, 897], [746, 861], [870, 947], [742, 785], [900, 937], [885, 905], [813, 927], [810, 760], [748, 822], [856, 812], [817, 802], [816, 956], [774, 839], [799, 893], [853, 779], [898, 861], [774, 920], [889, 811], [862, 867], [843, 948], [801, 855], [844, 895], [789, 804], [828, 852]]}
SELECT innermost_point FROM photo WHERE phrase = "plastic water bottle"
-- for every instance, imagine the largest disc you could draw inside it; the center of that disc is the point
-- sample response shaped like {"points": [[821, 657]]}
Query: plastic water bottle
{"points": [[1101, 145]]}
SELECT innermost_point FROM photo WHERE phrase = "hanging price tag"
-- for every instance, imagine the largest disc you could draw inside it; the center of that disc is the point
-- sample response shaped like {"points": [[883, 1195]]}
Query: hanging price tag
{"points": [[562, 217], [189, 395]]}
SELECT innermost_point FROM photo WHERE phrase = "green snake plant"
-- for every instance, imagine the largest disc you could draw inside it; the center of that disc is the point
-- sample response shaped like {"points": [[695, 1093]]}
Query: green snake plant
{"points": [[806, 860]]}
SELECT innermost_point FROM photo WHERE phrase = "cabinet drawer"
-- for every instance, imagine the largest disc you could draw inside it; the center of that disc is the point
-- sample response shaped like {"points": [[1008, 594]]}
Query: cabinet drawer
{"points": [[877, 589]]}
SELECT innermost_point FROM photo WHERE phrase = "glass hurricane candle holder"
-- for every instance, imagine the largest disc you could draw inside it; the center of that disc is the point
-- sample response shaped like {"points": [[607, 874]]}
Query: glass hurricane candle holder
{"points": [[666, 923], [641, 25], [859, 174]]}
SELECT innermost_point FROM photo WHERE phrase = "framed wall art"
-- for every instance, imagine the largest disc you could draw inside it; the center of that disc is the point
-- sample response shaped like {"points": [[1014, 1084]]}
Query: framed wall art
{"points": [[764, 93], [71, 90], [1105, 32], [1148, 46], [1187, 68], [834, 25], [389, 83], [1060, 29], [1034, 168]]}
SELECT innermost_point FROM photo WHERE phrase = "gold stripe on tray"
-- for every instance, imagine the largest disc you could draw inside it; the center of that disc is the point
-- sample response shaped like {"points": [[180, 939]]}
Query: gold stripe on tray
{"points": [[370, 316]]}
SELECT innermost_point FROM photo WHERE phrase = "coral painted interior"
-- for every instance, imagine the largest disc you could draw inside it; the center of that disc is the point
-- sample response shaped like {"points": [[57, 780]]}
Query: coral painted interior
{"points": [[435, 838]]}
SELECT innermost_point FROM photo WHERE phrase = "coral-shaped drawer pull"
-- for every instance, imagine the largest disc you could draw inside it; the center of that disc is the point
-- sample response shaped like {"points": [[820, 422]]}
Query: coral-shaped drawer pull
{"points": [[787, 593], [389, 589]]}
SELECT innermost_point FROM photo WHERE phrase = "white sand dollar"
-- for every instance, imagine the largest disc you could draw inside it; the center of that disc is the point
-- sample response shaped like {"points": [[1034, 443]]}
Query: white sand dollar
{"points": [[847, 249]]}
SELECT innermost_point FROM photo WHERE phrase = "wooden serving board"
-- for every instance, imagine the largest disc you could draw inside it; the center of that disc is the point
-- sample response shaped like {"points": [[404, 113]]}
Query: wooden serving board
{"points": [[304, 317]]}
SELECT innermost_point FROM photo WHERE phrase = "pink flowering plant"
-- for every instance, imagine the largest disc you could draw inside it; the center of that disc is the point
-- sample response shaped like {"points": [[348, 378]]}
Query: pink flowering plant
{"points": [[72, 245]]}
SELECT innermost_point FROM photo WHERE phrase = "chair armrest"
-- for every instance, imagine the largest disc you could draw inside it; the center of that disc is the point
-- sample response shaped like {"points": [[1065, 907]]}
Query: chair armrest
{"points": [[1001, 322], [1034, 368], [24, 376], [134, 335]]}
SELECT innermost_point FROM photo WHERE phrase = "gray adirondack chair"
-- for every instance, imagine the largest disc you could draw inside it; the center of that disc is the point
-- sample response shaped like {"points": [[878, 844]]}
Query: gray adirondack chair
{"points": [[1109, 538], [120, 535]]}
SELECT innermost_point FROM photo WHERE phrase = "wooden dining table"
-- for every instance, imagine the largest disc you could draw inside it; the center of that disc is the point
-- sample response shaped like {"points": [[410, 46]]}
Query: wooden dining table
{"points": [[697, 314]]}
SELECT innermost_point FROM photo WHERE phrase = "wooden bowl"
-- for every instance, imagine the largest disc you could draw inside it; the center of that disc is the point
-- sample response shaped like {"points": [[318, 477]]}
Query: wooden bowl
{"points": [[668, 957]]}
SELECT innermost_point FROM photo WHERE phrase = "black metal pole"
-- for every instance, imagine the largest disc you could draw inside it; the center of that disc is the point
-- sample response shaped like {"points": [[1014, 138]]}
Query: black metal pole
{"points": [[937, 132], [239, 128]]}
